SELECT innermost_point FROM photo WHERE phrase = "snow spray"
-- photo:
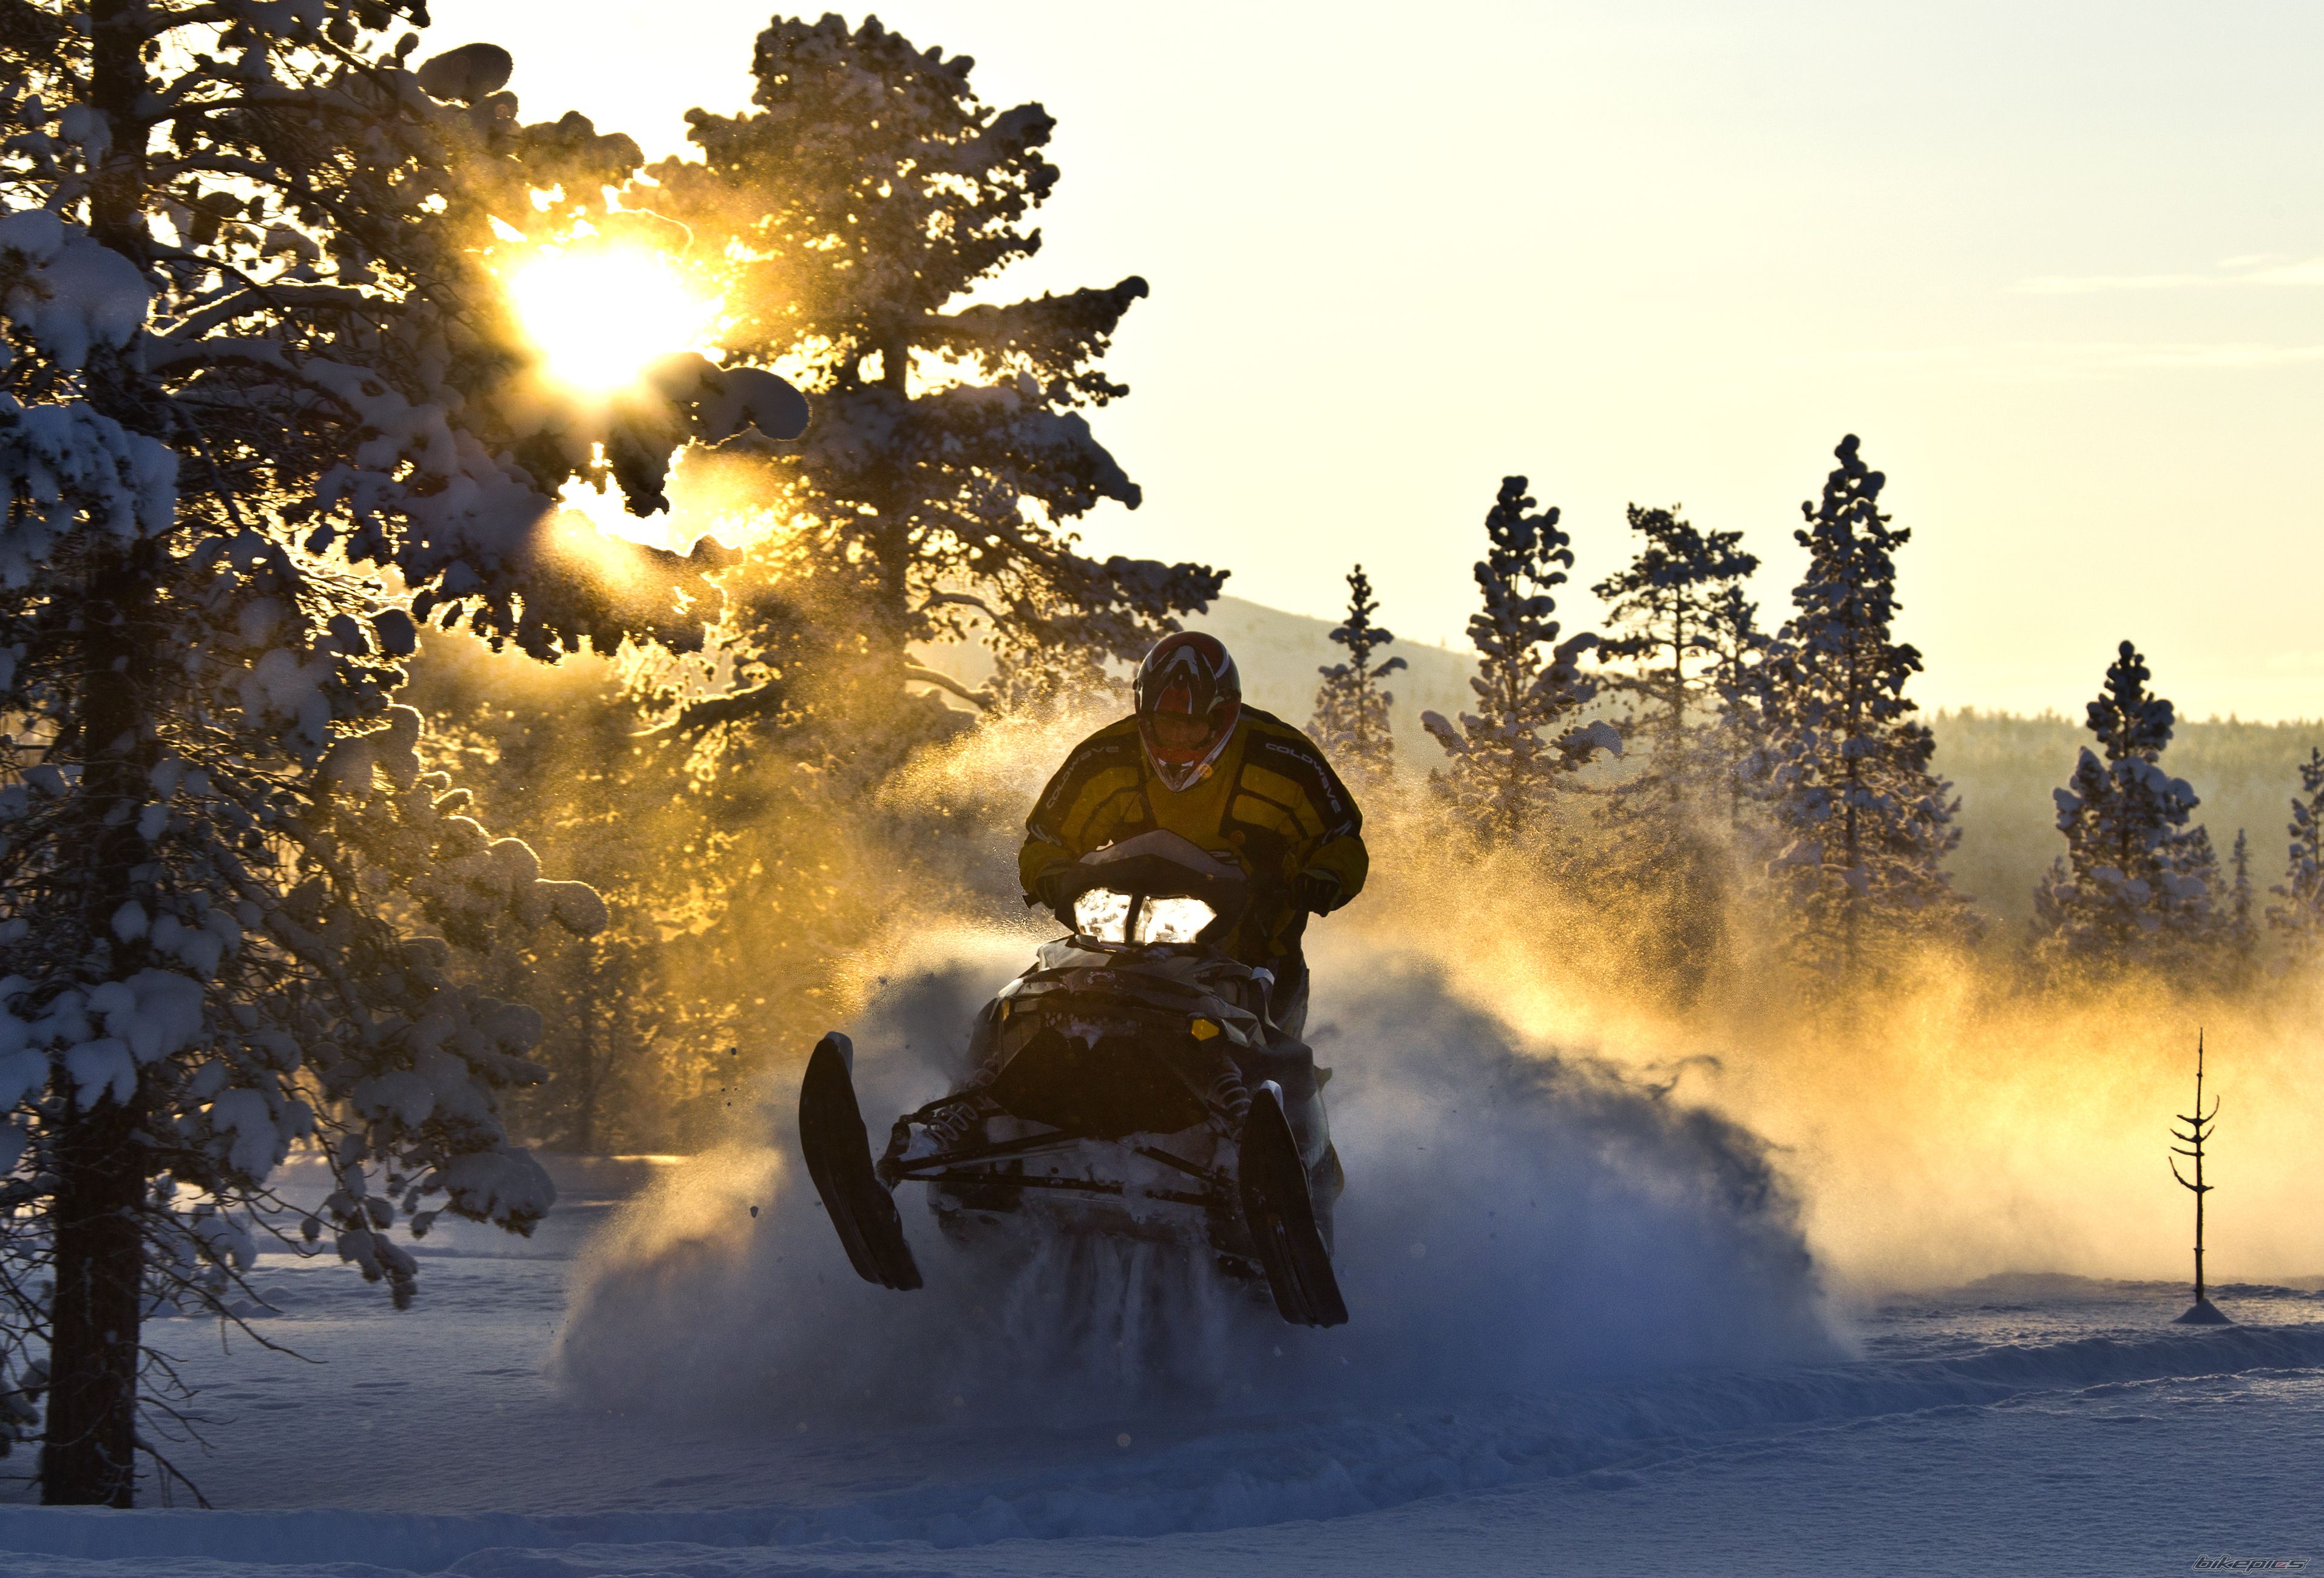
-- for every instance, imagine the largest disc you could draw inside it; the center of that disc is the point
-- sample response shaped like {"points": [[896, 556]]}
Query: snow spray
{"points": [[1515, 1219], [1953, 1114]]}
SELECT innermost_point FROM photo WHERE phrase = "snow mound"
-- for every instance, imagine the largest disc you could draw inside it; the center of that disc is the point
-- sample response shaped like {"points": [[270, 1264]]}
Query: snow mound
{"points": [[1514, 1221]]}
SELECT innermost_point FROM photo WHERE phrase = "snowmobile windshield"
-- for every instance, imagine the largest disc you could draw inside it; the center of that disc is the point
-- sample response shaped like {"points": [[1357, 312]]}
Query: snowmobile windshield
{"points": [[1105, 916], [1157, 887]]}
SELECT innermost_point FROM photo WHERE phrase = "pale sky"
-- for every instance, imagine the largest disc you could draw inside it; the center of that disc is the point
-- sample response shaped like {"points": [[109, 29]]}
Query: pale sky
{"points": [[2062, 265]]}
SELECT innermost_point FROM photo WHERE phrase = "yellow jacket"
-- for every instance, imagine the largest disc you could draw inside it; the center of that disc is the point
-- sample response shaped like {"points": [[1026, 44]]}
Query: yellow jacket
{"points": [[1270, 802]]}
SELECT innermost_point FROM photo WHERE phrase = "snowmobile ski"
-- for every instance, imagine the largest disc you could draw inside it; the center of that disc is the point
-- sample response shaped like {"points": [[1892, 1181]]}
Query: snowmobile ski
{"points": [[1281, 1217], [839, 1159]]}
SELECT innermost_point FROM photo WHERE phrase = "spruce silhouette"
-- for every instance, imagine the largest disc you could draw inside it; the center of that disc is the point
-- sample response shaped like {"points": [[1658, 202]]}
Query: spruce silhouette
{"points": [[1352, 707]]}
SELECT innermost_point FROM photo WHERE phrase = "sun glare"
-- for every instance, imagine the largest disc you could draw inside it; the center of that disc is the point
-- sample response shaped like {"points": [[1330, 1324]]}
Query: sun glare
{"points": [[599, 316]]}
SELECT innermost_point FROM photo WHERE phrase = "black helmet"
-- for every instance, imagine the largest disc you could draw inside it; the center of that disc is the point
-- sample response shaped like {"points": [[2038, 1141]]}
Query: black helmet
{"points": [[1189, 699]]}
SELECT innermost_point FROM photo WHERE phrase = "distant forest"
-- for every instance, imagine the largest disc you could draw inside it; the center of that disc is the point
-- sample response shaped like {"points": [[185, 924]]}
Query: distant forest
{"points": [[2004, 768]]}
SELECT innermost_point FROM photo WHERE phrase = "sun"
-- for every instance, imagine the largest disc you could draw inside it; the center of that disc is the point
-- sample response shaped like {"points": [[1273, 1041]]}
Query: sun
{"points": [[600, 316]]}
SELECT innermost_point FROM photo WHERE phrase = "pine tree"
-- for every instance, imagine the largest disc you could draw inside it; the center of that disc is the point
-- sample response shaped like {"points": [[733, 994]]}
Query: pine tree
{"points": [[1844, 764], [2136, 883], [1503, 771], [257, 364], [858, 216], [1351, 708], [1667, 608], [2301, 917], [1683, 627]]}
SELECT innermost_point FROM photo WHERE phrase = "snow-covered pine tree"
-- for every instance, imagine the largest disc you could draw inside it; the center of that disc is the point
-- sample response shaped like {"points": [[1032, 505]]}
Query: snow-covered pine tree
{"points": [[1503, 771], [1683, 630], [861, 207], [2136, 883], [255, 360], [1845, 765], [1666, 607], [1352, 707], [2301, 917]]}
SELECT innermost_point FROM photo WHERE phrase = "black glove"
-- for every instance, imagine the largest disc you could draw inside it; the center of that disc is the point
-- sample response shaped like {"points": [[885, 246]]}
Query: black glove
{"points": [[1053, 890], [1317, 890]]}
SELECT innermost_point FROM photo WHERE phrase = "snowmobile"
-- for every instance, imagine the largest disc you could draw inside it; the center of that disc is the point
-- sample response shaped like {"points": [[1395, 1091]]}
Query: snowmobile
{"points": [[1130, 1083]]}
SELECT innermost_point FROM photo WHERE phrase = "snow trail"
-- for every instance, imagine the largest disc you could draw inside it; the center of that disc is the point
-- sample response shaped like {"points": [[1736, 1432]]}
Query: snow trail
{"points": [[1515, 1220], [1266, 1472]]}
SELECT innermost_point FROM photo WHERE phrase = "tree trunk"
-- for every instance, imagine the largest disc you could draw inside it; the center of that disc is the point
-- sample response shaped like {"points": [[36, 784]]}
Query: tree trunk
{"points": [[95, 1314], [1854, 900], [584, 1111], [89, 1454]]}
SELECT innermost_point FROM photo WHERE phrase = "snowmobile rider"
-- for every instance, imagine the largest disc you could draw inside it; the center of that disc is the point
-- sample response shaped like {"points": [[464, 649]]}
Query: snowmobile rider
{"points": [[1195, 760]]}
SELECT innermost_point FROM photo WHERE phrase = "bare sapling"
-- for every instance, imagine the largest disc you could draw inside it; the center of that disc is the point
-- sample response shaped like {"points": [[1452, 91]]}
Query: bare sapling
{"points": [[2202, 1312]]}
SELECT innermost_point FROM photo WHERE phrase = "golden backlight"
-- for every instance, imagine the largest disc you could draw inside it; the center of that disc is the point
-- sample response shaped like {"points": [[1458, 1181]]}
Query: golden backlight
{"points": [[600, 316]]}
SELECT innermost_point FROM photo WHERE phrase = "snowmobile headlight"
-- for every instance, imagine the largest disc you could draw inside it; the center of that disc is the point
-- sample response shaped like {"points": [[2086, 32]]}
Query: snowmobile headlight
{"points": [[1173, 920], [1103, 914]]}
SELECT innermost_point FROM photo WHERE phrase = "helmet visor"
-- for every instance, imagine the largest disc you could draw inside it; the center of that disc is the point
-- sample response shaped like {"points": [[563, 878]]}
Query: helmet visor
{"points": [[1179, 731]]}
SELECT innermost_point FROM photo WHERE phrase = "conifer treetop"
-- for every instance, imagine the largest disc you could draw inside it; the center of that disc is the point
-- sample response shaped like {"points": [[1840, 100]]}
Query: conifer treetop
{"points": [[1681, 618], [2128, 719], [2137, 882], [1847, 603], [1520, 550], [1358, 633], [852, 214], [1351, 708], [1645, 598], [1528, 680], [1843, 763]]}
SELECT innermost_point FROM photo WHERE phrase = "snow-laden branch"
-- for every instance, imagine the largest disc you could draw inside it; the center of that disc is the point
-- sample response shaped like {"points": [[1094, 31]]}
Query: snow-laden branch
{"points": [[921, 674], [288, 295]]}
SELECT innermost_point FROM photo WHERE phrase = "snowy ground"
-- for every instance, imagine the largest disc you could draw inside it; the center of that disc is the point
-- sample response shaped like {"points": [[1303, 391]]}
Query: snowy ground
{"points": [[1587, 1336], [2037, 1425]]}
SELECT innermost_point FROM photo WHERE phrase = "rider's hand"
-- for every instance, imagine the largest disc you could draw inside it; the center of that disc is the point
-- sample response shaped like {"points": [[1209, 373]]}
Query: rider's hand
{"points": [[1317, 890], [1053, 890]]}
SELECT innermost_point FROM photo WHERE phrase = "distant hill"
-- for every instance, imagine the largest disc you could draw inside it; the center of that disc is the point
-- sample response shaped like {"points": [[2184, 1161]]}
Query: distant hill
{"points": [[1280, 655], [2003, 766]]}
